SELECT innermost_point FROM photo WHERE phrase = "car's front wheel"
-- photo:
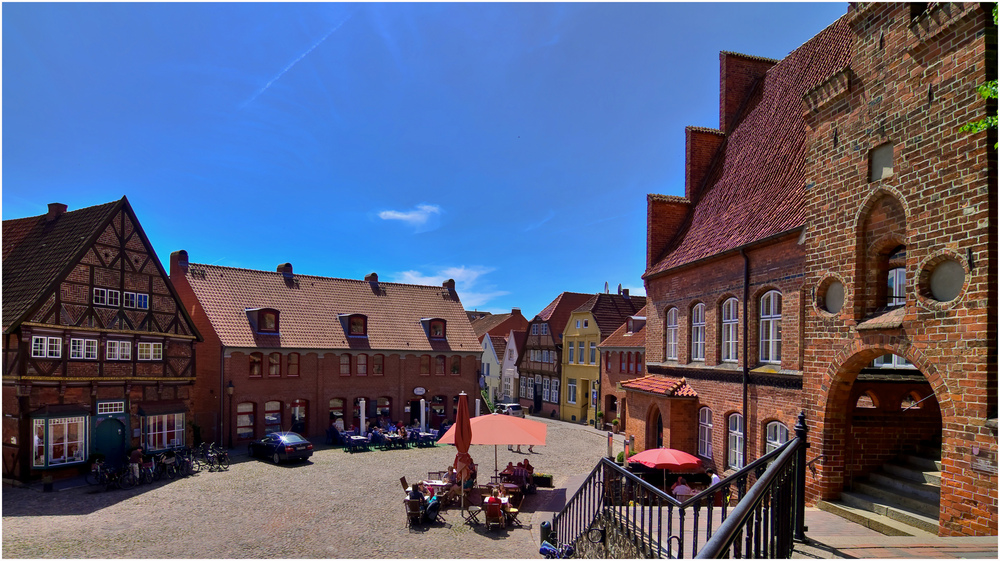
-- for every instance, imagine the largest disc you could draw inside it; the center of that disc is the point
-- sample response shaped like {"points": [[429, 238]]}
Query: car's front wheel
{"points": [[275, 458]]}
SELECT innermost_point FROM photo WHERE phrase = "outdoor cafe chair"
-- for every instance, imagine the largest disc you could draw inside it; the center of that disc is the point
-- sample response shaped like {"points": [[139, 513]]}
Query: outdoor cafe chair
{"points": [[494, 515], [436, 475], [413, 511], [514, 509], [402, 481]]}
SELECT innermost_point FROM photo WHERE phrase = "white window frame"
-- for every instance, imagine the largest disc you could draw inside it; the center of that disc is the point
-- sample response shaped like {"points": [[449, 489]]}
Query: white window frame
{"points": [[698, 333], [593, 353], [118, 350], [545, 389], [545, 329], [114, 298], [893, 361], [76, 349], [770, 327], [736, 434], [51, 426], [578, 324], [896, 295], [581, 353], [39, 346], [705, 432], [571, 391], [534, 329], [554, 390], [90, 349], [569, 355], [142, 301], [671, 334], [776, 435], [150, 351], [55, 347], [161, 432], [507, 387], [100, 297], [128, 300], [730, 330], [110, 407]]}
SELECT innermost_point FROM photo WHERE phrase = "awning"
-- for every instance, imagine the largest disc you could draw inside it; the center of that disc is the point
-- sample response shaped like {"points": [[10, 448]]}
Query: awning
{"points": [[150, 408], [66, 410]]}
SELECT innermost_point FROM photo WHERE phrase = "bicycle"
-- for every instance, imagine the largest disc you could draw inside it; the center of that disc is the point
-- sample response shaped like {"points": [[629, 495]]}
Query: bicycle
{"points": [[98, 474], [219, 457], [121, 478], [549, 550], [166, 464]]}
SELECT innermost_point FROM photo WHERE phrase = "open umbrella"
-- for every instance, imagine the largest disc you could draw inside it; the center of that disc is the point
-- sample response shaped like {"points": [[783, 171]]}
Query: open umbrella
{"points": [[499, 429], [666, 458], [463, 438]]}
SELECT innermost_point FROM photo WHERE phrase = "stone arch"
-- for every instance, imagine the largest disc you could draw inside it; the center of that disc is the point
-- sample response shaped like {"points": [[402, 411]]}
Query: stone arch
{"points": [[881, 225], [654, 427], [834, 407]]}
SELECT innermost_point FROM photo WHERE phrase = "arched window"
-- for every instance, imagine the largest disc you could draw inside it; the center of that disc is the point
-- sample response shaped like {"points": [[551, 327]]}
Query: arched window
{"points": [[425, 365], [362, 365], [607, 361], [256, 365], [378, 365], [734, 452], [293, 364], [245, 416], [345, 365], [300, 408], [384, 406], [777, 434], [896, 290], [770, 327], [439, 364], [456, 365], [629, 355], [274, 364], [730, 330], [272, 417], [337, 410], [698, 332], [910, 401], [670, 334], [866, 400], [705, 432]]}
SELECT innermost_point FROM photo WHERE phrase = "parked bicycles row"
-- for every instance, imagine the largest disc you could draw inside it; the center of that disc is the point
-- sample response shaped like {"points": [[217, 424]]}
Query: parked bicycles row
{"points": [[144, 469]]}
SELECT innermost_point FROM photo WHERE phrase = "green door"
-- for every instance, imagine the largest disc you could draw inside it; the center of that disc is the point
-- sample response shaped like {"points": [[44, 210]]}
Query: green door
{"points": [[109, 439]]}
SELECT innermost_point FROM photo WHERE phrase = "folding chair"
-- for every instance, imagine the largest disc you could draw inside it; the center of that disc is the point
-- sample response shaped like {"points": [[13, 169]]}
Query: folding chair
{"points": [[472, 514], [402, 481], [514, 509]]}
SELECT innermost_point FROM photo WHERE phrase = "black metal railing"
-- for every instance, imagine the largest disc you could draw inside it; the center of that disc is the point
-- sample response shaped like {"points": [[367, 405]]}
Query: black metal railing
{"points": [[656, 525]]}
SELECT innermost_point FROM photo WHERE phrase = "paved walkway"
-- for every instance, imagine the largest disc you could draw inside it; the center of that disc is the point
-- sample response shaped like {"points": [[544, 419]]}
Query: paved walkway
{"points": [[342, 505]]}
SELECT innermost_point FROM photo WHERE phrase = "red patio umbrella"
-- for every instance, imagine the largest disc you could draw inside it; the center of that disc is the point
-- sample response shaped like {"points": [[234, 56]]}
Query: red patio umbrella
{"points": [[463, 438], [499, 429], [666, 458]]}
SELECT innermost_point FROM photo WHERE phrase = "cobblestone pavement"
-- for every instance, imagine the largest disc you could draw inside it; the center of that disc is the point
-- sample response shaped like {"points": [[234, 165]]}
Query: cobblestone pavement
{"points": [[338, 505]]}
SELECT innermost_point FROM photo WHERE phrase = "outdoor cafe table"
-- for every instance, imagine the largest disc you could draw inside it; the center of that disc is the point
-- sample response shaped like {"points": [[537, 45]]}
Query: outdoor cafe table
{"points": [[356, 443], [436, 486], [394, 441]]}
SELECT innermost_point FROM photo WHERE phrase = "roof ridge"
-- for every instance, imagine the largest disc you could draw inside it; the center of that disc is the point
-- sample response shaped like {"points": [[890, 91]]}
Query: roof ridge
{"points": [[299, 275]]}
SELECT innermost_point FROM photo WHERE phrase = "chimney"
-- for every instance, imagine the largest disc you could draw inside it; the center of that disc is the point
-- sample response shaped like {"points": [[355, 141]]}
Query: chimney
{"points": [[373, 281], [285, 270], [179, 262], [625, 293], [515, 311], [449, 284], [55, 211], [664, 217]]}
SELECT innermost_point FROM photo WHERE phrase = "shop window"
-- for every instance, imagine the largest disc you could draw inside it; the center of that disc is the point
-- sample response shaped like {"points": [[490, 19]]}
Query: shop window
{"points": [[384, 407], [272, 417], [337, 413], [300, 408], [245, 416], [164, 431], [59, 441]]}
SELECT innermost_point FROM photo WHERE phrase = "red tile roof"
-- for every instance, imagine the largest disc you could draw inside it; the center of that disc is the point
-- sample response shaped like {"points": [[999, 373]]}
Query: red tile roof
{"points": [[757, 189], [36, 253], [499, 345], [621, 338], [889, 320], [557, 313], [498, 324], [611, 310], [661, 385], [310, 308]]}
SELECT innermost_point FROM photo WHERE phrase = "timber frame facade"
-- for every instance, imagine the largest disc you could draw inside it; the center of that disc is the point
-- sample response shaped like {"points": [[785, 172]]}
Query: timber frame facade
{"points": [[98, 353]]}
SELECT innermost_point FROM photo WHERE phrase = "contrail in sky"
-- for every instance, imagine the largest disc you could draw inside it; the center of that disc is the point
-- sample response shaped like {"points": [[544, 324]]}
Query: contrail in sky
{"points": [[294, 62]]}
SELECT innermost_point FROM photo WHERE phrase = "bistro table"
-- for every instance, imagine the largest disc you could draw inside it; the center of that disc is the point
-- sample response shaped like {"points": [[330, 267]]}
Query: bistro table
{"points": [[393, 441], [425, 439], [356, 443]]}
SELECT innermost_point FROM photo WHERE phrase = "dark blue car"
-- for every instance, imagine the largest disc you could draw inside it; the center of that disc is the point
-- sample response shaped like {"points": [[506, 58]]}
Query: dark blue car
{"points": [[281, 446]]}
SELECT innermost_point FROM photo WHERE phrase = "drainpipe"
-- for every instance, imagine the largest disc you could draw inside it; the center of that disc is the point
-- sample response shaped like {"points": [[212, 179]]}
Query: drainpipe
{"points": [[746, 361]]}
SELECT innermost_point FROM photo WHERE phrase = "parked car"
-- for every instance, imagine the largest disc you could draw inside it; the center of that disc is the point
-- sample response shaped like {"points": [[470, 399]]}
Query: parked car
{"points": [[281, 446], [512, 409]]}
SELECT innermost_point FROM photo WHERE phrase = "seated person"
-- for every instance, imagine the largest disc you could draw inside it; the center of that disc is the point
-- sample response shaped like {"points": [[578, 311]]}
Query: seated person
{"points": [[417, 495], [339, 424], [529, 467], [509, 470], [377, 437], [494, 497], [521, 477], [334, 436], [680, 487]]}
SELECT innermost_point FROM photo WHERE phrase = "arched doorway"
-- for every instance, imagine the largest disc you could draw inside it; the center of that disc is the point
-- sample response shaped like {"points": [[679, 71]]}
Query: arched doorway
{"points": [[654, 428], [889, 408], [109, 439]]}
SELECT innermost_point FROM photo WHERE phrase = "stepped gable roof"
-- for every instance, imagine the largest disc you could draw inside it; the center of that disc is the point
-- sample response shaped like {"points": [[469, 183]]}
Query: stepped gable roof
{"points": [[311, 308], [37, 252], [499, 345], [757, 187], [611, 310], [660, 385], [557, 313], [621, 338]]}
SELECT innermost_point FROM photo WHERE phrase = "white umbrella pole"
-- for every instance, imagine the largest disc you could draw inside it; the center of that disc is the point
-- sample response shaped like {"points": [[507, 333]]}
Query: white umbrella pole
{"points": [[361, 406], [477, 407], [423, 415]]}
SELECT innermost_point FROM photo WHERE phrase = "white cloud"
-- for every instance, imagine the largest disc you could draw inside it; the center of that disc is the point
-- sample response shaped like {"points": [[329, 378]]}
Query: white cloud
{"points": [[420, 217], [466, 280]]}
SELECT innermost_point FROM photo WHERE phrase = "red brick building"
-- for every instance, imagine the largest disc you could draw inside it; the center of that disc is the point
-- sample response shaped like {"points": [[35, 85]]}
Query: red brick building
{"points": [[285, 351], [833, 253], [98, 352], [623, 358]]}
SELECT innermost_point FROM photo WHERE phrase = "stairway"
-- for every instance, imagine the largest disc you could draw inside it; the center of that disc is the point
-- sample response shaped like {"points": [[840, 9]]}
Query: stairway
{"points": [[900, 499]]}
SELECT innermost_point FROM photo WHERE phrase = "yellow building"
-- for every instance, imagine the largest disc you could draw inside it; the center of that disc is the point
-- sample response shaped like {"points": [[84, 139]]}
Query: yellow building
{"points": [[587, 327]]}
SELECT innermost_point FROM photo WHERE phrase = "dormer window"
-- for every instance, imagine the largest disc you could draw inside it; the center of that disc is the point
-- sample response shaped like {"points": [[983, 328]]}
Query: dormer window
{"points": [[263, 320], [358, 325], [437, 328]]}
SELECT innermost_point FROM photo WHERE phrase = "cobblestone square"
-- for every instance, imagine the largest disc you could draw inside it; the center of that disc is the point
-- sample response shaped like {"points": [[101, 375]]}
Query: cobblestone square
{"points": [[338, 505]]}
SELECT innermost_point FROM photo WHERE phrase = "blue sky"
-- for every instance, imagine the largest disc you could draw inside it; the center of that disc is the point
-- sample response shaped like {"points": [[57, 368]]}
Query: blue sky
{"points": [[507, 146]]}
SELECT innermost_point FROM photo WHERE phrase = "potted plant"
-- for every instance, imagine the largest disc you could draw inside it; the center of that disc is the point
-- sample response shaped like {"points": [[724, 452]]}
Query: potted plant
{"points": [[600, 420], [614, 425], [542, 480]]}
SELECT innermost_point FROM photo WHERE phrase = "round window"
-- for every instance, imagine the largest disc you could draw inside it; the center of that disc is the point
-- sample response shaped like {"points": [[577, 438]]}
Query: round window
{"points": [[947, 280], [830, 297]]}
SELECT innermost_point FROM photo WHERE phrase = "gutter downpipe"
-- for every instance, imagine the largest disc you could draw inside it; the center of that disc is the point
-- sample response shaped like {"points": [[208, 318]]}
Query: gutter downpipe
{"points": [[746, 362]]}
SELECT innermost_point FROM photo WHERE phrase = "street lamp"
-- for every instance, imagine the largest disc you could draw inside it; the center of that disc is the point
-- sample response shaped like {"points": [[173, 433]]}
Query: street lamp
{"points": [[230, 388]]}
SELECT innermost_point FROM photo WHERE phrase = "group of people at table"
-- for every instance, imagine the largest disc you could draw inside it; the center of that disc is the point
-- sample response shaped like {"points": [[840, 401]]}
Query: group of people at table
{"points": [[381, 432], [434, 493]]}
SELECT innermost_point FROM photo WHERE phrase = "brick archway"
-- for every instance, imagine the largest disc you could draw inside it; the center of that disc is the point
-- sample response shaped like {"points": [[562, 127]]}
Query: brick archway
{"points": [[654, 427], [831, 421]]}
